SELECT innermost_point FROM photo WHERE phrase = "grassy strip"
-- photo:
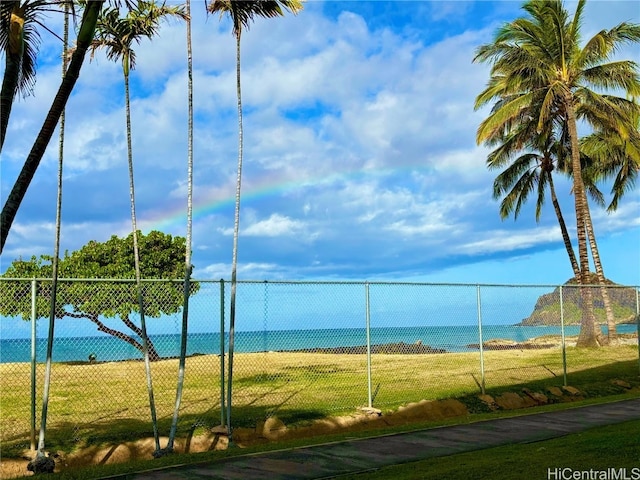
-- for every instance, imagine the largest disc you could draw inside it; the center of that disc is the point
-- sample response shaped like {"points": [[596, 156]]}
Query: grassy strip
{"points": [[105, 404], [598, 450], [449, 465]]}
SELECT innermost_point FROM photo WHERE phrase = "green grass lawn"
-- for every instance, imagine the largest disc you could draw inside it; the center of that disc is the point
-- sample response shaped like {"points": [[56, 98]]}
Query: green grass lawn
{"points": [[613, 446], [598, 449], [106, 403]]}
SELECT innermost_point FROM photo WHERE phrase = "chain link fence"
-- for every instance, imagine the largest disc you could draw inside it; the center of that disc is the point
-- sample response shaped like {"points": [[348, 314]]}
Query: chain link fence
{"points": [[302, 350]]}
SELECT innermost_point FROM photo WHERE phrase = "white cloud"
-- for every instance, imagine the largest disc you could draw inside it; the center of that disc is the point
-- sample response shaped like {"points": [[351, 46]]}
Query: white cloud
{"points": [[275, 226], [359, 144], [249, 271], [505, 240]]}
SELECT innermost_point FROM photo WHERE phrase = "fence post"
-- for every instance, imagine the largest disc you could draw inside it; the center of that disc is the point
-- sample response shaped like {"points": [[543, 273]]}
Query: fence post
{"points": [[33, 363], [368, 328], [564, 346], [480, 336], [222, 405], [265, 320]]}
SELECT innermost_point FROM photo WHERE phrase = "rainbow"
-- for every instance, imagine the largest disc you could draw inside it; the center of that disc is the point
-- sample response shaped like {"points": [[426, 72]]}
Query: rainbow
{"points": [[223, 199]]}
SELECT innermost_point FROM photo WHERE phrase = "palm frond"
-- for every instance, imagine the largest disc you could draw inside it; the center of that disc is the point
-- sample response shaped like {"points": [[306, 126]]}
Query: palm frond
{"points": [[244, 12], [493, 125], [116, 34]]}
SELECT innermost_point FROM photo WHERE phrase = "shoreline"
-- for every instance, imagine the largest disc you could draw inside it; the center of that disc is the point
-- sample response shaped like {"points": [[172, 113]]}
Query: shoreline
{"points": [[390, 348], [384, 348]]}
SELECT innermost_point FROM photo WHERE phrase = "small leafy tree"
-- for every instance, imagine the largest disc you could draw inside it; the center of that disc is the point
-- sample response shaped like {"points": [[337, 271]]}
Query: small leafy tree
{"points": [[162, 258]]}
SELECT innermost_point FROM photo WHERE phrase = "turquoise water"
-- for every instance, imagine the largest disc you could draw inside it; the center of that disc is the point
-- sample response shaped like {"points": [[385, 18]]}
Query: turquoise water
{"points": [[107, 348]]}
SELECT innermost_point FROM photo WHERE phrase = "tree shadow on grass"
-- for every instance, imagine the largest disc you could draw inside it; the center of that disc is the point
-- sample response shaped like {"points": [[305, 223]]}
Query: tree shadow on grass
{"points": [[95, 436], [106, 432], [607, 380]]}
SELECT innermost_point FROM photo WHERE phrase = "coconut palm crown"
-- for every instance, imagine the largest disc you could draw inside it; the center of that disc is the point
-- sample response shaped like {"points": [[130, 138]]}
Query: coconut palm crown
{"points": [[20, 42], [541, 75]]}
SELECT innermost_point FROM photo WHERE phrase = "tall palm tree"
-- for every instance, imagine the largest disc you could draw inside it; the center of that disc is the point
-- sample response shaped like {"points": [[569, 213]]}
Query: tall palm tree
{"points": [[529, 171], [610, 155], [538, 61], [546, 151], [117, 34], [242, 13], [84, 39], [187, 257], [43, 463], [21, 185]]}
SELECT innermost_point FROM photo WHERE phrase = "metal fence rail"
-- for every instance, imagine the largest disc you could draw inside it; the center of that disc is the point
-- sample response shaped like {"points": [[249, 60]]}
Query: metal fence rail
{"points": [[298, 344]]}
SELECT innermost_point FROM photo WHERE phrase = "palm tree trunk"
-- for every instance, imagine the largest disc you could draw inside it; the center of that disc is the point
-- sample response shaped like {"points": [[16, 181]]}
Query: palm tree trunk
{"points": [[611, 321], [236, 233], [187, 256], [42, 463], [588, 336], [21, 185], [136, 259], [13, 56], [563, 228], [7, 94]]}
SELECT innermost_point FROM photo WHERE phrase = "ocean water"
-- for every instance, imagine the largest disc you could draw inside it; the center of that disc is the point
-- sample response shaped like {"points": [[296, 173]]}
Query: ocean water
{"points": [[107, 348]]}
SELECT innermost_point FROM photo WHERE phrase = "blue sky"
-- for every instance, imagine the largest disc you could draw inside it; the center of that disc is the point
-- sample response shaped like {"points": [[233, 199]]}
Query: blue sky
{"points": [[360, 155]]}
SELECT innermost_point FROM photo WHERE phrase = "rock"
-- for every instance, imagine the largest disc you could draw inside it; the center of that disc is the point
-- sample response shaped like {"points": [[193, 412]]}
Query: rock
{"points": [[452, 408], [432, 410], [273, 428], [220, 429], [371, 411], [555, 391], [539, 398], [510, 401], [42, 464], [621, 383], [572, 390], [163, 452], [489, 400]]}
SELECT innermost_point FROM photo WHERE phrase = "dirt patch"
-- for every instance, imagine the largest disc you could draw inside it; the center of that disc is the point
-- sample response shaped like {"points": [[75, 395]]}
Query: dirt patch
{"points": [[270, 430], [142, 449]]}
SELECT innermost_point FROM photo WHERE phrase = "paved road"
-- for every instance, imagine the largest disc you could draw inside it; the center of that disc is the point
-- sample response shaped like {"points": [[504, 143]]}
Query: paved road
{"points": [[326, 461]]}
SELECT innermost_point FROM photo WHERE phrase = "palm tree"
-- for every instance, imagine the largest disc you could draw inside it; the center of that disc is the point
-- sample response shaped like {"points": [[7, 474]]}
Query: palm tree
{"points": [[187, 258], [242, 13], [610, 155], [117, 34], [533, 169], [43, 463], [529, 171], [21, 185], [537, 61]]}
